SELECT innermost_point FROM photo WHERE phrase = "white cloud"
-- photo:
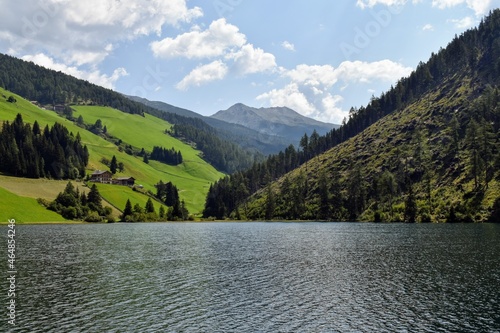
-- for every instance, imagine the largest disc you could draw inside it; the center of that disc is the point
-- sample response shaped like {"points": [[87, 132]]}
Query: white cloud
{"points": [[288, 46], [94, 76], [203, 74], [314, 75], [464, 23], [309, 91], [480, 7], [384, 70], [428, 27], [213, 42], [290, 96], [80, 32], [220, 40], [249, 60], [370, 3]]}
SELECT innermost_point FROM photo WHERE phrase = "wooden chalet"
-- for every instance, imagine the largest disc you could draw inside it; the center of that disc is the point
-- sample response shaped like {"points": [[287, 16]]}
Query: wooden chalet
{"points": [[104, 177], [125, 181]]}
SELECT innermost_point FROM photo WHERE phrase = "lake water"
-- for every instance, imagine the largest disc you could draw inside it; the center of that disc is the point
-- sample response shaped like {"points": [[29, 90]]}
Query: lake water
{"points": [[256, 277]]}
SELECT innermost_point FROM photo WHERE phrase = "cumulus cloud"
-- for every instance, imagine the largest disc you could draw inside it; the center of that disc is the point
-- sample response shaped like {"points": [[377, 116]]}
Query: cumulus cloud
{"points": [[428, 27], [220, 40], [215, 41], [309, 91], [370, 3], [288, 46], [249, 60], [84, 32], [464, 23], [203, 74], [94, 76], [480, 7]]}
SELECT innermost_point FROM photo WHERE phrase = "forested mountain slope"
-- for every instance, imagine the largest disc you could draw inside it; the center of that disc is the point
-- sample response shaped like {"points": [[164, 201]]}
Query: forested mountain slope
{"points": [[427, 150]]}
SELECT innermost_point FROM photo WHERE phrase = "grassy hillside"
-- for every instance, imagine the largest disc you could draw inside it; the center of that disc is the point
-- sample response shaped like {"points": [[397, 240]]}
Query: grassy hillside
{"points": [[411, 152], [22, 209], [193, 177]]}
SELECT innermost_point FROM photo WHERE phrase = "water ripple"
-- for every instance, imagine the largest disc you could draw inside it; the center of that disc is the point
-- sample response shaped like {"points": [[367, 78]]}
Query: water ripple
{"points": [[258, 277]]}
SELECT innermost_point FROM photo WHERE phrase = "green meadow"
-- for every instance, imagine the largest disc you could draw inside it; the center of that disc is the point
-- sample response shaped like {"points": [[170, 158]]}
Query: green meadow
{"points": [[23, 209], [193, 177]]}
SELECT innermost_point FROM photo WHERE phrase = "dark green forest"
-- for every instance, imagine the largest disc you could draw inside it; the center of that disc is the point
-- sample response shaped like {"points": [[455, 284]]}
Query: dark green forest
{"points": [[457, 87], [167, 156], [34, 152]]}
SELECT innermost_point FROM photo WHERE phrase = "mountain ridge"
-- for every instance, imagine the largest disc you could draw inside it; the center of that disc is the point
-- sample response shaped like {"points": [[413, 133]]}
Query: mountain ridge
{"points": [[280, 121]]}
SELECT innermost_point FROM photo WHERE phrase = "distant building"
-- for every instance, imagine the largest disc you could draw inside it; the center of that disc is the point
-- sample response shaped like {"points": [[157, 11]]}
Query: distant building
{"points": [[59, 108], [104, 177], [125, 181]]}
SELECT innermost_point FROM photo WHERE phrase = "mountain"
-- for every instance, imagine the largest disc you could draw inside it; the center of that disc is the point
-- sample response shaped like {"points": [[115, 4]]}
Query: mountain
{"points": [[278, 121], [245, 137], [165, 107], [56, 90], [428, 150]]}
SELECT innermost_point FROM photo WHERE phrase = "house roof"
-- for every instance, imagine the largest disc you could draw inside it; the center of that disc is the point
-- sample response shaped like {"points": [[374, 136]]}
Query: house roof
{"points": [[125, 178], [99, 172]]}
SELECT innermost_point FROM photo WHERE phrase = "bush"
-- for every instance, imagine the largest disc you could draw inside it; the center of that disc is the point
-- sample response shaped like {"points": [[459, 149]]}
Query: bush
{"points": [[93, 217]]}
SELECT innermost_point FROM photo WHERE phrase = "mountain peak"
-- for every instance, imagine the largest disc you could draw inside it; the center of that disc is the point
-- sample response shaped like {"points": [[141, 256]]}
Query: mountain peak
{"points": [[279, 121]]}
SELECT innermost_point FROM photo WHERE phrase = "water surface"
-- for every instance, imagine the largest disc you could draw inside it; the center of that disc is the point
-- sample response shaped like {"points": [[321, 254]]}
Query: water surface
{"points": [[257, 277]]}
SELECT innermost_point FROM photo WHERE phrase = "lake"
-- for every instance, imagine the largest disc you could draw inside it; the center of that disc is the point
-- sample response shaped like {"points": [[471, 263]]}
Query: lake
{"points": [[256, 277]]}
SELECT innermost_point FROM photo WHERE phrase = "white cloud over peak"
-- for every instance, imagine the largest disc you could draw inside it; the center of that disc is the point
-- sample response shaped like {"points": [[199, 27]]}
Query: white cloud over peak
{"points": [[309, 91], [215, 41], [249, 60], [203, 74], [94, 76]]}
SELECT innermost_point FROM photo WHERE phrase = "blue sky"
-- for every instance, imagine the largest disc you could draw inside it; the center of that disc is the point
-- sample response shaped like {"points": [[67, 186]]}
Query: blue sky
{"points": [[319, 57]]}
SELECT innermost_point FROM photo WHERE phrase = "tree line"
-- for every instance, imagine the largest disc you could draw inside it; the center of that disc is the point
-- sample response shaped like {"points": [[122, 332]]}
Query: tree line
{"points": [[166, 193], [224, 155], [167, 156], [53, 152], [75, 205]]}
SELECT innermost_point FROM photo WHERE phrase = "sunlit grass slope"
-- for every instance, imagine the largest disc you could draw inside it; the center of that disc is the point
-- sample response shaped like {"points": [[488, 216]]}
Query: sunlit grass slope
{"points": [[22, 209], [193, 177]]}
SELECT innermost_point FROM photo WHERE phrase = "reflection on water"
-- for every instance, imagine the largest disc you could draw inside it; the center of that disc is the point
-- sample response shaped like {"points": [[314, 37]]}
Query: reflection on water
{"points": [[268, 277]]}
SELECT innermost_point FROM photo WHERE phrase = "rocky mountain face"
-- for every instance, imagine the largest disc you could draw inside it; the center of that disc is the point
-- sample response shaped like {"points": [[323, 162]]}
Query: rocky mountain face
{"points": [[278, 121]]}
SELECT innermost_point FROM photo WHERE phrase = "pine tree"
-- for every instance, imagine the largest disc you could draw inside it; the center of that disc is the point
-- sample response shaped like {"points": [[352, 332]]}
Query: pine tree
{"points": [[113, 165], [410, 206], [150, 208], [324, 197], [161, 212], [127, 211], [270, 203], [94, 199]]}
